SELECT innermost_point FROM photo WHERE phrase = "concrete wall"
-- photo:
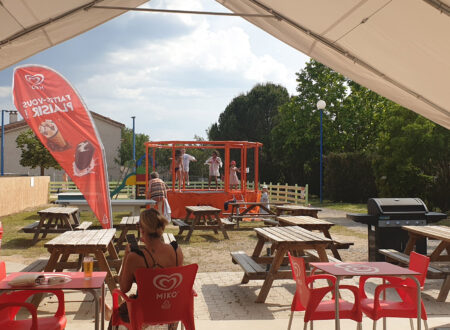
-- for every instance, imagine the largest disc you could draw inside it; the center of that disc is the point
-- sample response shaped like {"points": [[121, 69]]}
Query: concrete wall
{"points": [[20, 193], [110, 136]]}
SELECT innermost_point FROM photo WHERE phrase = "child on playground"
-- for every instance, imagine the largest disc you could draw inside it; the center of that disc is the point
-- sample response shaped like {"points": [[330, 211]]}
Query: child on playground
{"points": [[214, 163], [264, 198], [234, 180]]}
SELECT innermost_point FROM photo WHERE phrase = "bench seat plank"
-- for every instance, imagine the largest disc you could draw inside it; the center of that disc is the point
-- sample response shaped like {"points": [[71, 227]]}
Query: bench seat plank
{"points": [[249, 266]]}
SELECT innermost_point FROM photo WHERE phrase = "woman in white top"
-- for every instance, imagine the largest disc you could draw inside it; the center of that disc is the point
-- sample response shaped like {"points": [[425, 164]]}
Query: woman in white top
{"points": [[214, 163]]}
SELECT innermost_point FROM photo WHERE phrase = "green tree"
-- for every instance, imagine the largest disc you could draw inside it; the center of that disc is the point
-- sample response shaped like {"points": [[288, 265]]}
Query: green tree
{"points": [[251, 117], [295, 139], [413, 158], [126, 146], [33, 152]]}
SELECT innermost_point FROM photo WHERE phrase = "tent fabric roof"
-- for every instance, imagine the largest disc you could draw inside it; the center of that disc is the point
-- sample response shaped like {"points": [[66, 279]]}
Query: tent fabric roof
{"points": [[397, 48], [29, 26]]}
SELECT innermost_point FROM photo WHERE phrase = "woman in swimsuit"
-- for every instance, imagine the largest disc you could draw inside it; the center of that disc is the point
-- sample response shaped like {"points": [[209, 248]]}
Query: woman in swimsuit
{"points": [[154, 254]]}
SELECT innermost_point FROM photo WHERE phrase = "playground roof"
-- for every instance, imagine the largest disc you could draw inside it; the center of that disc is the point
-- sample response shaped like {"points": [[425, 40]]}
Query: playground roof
{"points": [[202, 144]]}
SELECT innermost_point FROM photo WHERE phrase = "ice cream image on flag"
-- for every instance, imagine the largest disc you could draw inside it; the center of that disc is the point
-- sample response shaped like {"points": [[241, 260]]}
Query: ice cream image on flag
{"points": [[54, 137], [84, 162]]}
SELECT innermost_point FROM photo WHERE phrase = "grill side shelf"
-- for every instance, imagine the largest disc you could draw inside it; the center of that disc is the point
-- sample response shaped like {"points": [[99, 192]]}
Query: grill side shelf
{"points": [[363, 218]]}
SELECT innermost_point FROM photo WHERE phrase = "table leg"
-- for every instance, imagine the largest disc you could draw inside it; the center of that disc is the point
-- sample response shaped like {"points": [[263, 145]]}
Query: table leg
{"points": [[96, 303], [221, 226], [210, 222], [104, 266], [65, 221], [121, 238], [322, 253], [75, 218], [103, 307], [419, 305], [437, 252], [64, 258], [38, 229], [276, 263], [116, 262], [411, 242], [191, 230], [445, 288], [52, 262], [334, 250], [337, 323]]}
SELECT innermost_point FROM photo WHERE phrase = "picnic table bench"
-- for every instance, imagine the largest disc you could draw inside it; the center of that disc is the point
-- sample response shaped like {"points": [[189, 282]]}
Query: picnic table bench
{"points": [[283, 239], [205, 218], [439, 263], [237, 214], [54, 220], [311, 223], [292, 209]]}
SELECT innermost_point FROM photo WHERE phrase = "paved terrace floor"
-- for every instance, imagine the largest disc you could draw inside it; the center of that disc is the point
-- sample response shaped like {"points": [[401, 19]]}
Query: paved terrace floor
{"points": [[224, 303]]}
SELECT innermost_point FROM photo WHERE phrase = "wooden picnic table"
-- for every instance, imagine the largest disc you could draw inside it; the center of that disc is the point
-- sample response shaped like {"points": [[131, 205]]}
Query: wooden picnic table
{"points": [[54, 220], [125, 225], [93, 242], [237, 215], [293, 209], [438, 261], [283, 239], [205, 218], [118, 205], [311, 223]]}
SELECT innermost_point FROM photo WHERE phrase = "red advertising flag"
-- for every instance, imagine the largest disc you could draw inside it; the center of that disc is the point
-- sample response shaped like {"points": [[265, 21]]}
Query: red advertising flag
{"points": [[57, 115]]}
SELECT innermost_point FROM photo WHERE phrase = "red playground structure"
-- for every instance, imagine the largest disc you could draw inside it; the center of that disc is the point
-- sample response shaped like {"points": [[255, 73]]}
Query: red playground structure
{"points": [[179, 198]]}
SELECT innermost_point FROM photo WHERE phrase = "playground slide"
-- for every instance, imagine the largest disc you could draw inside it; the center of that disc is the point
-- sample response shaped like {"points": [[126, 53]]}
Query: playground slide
{"points": [[129, 177]]}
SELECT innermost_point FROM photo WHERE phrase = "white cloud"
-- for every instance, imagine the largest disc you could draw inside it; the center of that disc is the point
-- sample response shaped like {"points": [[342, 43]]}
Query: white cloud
{"points": [[5, 92]]}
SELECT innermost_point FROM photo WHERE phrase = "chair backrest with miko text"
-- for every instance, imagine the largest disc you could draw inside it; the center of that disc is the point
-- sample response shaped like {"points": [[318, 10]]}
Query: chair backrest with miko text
{"points": [[165, 296]]}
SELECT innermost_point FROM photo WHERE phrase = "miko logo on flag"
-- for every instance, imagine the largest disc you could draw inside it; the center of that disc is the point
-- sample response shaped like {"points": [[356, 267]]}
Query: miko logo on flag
{"points": [[35, 80]]}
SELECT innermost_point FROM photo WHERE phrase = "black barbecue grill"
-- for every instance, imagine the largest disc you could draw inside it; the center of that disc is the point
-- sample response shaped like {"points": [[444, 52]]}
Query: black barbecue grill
{"points": [[385, 218]]}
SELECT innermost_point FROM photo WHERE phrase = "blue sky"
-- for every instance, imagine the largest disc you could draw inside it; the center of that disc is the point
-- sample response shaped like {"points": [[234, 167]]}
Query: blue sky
{"points": [[175, 73]]}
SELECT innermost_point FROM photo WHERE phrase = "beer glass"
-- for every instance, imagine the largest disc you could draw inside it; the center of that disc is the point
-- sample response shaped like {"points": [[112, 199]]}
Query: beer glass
{"points": [[88, 267]]}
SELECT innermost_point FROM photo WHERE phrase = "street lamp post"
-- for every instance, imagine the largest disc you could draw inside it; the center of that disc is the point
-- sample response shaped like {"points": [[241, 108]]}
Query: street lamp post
{"points": [[3, 141], [320, 106], [134, 141]]}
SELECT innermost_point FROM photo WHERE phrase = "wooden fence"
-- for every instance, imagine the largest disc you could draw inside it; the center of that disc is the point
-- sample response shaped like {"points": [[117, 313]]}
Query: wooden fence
{"points": [[277, 192]]}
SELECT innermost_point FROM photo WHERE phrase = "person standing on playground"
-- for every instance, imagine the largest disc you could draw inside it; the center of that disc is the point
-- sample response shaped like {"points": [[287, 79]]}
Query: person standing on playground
{"points": [[157, 190], [234, 180], [214, 163], [186, 160]]}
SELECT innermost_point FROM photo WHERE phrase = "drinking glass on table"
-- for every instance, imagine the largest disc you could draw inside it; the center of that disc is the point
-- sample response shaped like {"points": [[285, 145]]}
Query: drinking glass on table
{"points": [[88, 267]]}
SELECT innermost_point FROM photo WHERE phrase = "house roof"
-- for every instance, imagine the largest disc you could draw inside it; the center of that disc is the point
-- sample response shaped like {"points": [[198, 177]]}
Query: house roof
{"points": [[95, 115]]}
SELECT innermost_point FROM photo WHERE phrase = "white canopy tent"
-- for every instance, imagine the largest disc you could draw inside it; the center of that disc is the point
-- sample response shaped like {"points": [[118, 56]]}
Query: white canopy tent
{"points": [[29, 26], [397, 48]]}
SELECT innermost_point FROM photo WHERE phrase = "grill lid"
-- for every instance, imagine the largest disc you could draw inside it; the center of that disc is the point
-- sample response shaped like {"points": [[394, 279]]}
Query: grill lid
{"points": [[391, 206]]}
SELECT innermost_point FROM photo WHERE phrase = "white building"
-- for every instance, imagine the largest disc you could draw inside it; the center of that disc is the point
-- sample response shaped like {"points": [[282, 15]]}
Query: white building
{"points": [[108, 129]]}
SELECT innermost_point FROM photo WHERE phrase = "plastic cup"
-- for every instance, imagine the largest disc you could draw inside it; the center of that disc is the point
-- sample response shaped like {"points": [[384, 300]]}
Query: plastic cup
{"points": [[88, 267]]}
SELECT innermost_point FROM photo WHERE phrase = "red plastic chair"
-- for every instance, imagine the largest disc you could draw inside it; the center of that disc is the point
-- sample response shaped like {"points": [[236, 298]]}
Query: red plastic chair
{"points": [[377, 308], [165, 296], [311, 300], [11, 302]]}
